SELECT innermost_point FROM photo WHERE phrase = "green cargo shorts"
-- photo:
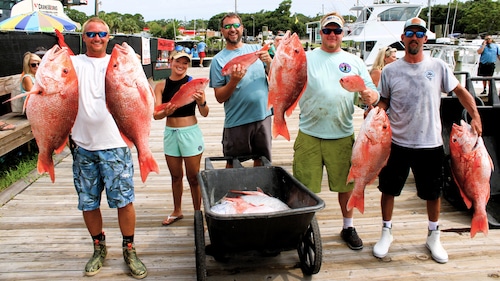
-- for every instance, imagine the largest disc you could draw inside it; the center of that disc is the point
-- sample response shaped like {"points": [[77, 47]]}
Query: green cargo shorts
{"points": [[312, 153]]}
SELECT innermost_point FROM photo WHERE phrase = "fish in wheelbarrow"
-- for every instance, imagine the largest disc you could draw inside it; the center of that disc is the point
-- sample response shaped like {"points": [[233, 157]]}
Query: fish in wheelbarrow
{"points": [[245, 60], [185, 93], [471, 166], [248, 202], [51, 105], [287, 81], [370, 153], [130, 100]]}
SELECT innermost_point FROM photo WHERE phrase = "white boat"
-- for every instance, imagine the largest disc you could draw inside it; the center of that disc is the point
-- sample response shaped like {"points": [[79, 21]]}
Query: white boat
{"points": [[380, 25]]}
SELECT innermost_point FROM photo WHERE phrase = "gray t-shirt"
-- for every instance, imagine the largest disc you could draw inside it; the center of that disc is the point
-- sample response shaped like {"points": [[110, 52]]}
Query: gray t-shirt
{"points": [[415, 90]]}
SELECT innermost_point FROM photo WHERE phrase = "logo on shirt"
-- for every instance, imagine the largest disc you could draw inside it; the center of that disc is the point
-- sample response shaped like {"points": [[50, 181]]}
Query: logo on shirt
{"points": [[345, 67], [429, 74]]}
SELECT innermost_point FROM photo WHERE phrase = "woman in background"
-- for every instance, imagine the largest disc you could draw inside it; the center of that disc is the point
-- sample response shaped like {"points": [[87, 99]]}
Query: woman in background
{"points": [[385, 56]]}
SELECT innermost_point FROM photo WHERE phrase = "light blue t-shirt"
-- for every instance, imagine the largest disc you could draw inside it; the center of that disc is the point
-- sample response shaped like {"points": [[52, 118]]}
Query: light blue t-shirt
{"points": [[248, 103], [489, 54], [326, 109]]}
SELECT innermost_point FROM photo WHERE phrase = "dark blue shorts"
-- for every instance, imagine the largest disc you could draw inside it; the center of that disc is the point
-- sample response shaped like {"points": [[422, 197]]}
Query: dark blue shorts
{"points": [[249, 139], [426, 165]]}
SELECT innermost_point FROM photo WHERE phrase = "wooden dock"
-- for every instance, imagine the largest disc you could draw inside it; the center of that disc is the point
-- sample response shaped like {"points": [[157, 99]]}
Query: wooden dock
{"points": [[43, 236]]}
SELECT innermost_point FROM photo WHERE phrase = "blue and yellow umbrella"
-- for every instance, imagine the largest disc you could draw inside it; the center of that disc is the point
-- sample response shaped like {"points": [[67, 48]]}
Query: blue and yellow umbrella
{"points": [[37, 21]]}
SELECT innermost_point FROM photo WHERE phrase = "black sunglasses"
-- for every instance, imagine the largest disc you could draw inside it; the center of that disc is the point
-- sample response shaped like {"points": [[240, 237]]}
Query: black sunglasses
{"points": [[93, 34], [235, 25], [336, 31], [410, 33], [35, 64]]}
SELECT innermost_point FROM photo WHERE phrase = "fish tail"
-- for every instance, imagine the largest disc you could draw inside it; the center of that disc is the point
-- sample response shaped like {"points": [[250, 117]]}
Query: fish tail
{"points": [[280, 128], [479, 224], [357, 201], [46, 165], [148, 164]]}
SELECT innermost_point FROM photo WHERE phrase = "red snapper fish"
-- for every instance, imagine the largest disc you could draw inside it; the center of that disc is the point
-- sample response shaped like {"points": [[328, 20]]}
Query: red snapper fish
{"points": [[185, 94], [353, 83], [287, 81], [370, 153], [471, 166], [52, 105], [130, 100], [248, 202], [245, 60]]}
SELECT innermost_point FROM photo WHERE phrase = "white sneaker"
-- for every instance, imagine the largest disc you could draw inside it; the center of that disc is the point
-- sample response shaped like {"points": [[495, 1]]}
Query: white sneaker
{"points": [[381, 248], [433, 243]]}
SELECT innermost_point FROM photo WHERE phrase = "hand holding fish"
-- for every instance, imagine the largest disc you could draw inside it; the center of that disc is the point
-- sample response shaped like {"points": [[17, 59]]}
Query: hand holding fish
{"points": [[265, 57], [238, 71], [369, 96], [168, 108]]}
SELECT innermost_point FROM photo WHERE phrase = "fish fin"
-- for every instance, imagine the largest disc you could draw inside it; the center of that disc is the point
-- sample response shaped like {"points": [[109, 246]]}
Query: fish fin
{"points": [[466, 199], [148, 164], [129, 143], [61, 148], [292, 107], [357, 201], [479, 224], [46, 165], [62, 43], [280, 128]]}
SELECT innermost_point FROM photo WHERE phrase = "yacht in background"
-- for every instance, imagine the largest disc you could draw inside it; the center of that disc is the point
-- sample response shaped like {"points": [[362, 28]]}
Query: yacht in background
{"points": [[380, 25]]}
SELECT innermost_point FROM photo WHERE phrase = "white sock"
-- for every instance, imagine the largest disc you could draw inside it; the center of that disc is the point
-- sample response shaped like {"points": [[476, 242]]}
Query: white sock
{"points": [[387, 224], [348, 223], [433, 225]]}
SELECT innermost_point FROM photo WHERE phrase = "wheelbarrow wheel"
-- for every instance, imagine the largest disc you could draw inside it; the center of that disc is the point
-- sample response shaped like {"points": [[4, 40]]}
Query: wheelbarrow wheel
{"points": [[310, 249], [199, 243]]}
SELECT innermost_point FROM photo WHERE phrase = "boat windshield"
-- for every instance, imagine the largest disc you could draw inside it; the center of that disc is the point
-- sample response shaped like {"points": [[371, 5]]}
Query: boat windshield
{"points": [[391, 14]]}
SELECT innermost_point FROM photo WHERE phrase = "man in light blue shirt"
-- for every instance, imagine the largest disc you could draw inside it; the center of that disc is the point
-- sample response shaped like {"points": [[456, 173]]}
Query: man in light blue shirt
{"points": [[489, 52]]}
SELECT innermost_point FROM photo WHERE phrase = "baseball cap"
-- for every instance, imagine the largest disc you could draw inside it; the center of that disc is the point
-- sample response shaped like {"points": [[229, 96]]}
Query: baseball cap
{"points": [[332, 19], [416, 22], [180, 55]]}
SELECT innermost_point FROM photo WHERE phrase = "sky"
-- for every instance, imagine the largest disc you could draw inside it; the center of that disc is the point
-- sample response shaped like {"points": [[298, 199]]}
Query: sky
{"points": [[205, 9]]}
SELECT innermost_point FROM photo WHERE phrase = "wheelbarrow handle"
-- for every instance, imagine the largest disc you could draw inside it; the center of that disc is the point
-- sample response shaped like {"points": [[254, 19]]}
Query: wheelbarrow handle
{"points": [[235, 161]]}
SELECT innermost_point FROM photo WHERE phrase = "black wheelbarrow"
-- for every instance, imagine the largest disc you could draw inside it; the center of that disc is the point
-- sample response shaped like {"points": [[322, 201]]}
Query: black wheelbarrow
{"points": [[278, 231]]}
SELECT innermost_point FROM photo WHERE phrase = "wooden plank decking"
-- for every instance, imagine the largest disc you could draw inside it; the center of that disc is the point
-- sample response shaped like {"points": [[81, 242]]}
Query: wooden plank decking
{"points": [[43, 237]]}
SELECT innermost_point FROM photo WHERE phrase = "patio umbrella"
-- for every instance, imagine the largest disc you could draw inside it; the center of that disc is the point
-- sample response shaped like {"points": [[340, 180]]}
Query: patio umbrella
{"points": [[37, 21]]}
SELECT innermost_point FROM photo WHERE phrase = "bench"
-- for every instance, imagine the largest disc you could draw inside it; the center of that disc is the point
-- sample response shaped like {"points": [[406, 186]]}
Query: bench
{"points": [[22, 134]]}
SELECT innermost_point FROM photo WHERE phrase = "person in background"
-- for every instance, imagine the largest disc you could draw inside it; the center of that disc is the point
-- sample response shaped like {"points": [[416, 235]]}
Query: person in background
{"points": [[194, 51], [101, 158], [272, 49], [326, 129], [385, 56], [247, 124], [489, 52], [409, 87], [201, 52], [31, 62], [183, 140]]}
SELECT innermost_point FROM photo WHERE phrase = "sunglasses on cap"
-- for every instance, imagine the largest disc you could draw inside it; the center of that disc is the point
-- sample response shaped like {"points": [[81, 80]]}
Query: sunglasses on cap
{"points": [[336, 31], [235, 25], [93, 34], [410, 33], [35, 64]]}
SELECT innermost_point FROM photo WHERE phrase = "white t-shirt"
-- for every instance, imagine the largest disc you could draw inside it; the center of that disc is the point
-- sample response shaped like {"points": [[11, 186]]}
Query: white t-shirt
{"points": [[415, 90], [94, 128]]}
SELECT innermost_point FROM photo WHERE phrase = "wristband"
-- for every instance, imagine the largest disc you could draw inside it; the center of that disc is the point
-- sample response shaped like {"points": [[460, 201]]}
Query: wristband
{"points": [[204, 104]]}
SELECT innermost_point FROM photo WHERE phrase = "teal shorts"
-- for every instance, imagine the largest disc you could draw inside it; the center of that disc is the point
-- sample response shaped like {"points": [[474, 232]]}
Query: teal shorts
{"points": [[312, 153], [110, 169], [183, 142]]}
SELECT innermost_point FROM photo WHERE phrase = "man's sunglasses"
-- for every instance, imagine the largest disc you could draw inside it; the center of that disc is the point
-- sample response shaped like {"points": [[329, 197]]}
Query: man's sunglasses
{"points": [[336, 31], [35, 64], [235, 25], [409, 34], [93, 34]]}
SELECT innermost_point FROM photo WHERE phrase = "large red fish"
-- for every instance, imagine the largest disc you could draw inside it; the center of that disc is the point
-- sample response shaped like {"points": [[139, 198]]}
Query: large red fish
{"points": [[471, 167], [130, 100], [369, 155], [353, 83], [245, 60], [185, 94], [287, 81], [52, 105]]}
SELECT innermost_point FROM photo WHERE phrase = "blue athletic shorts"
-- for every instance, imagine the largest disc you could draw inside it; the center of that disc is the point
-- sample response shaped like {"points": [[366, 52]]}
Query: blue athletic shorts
{"points": [[426, 165], [183, 142], [110, 169]]}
